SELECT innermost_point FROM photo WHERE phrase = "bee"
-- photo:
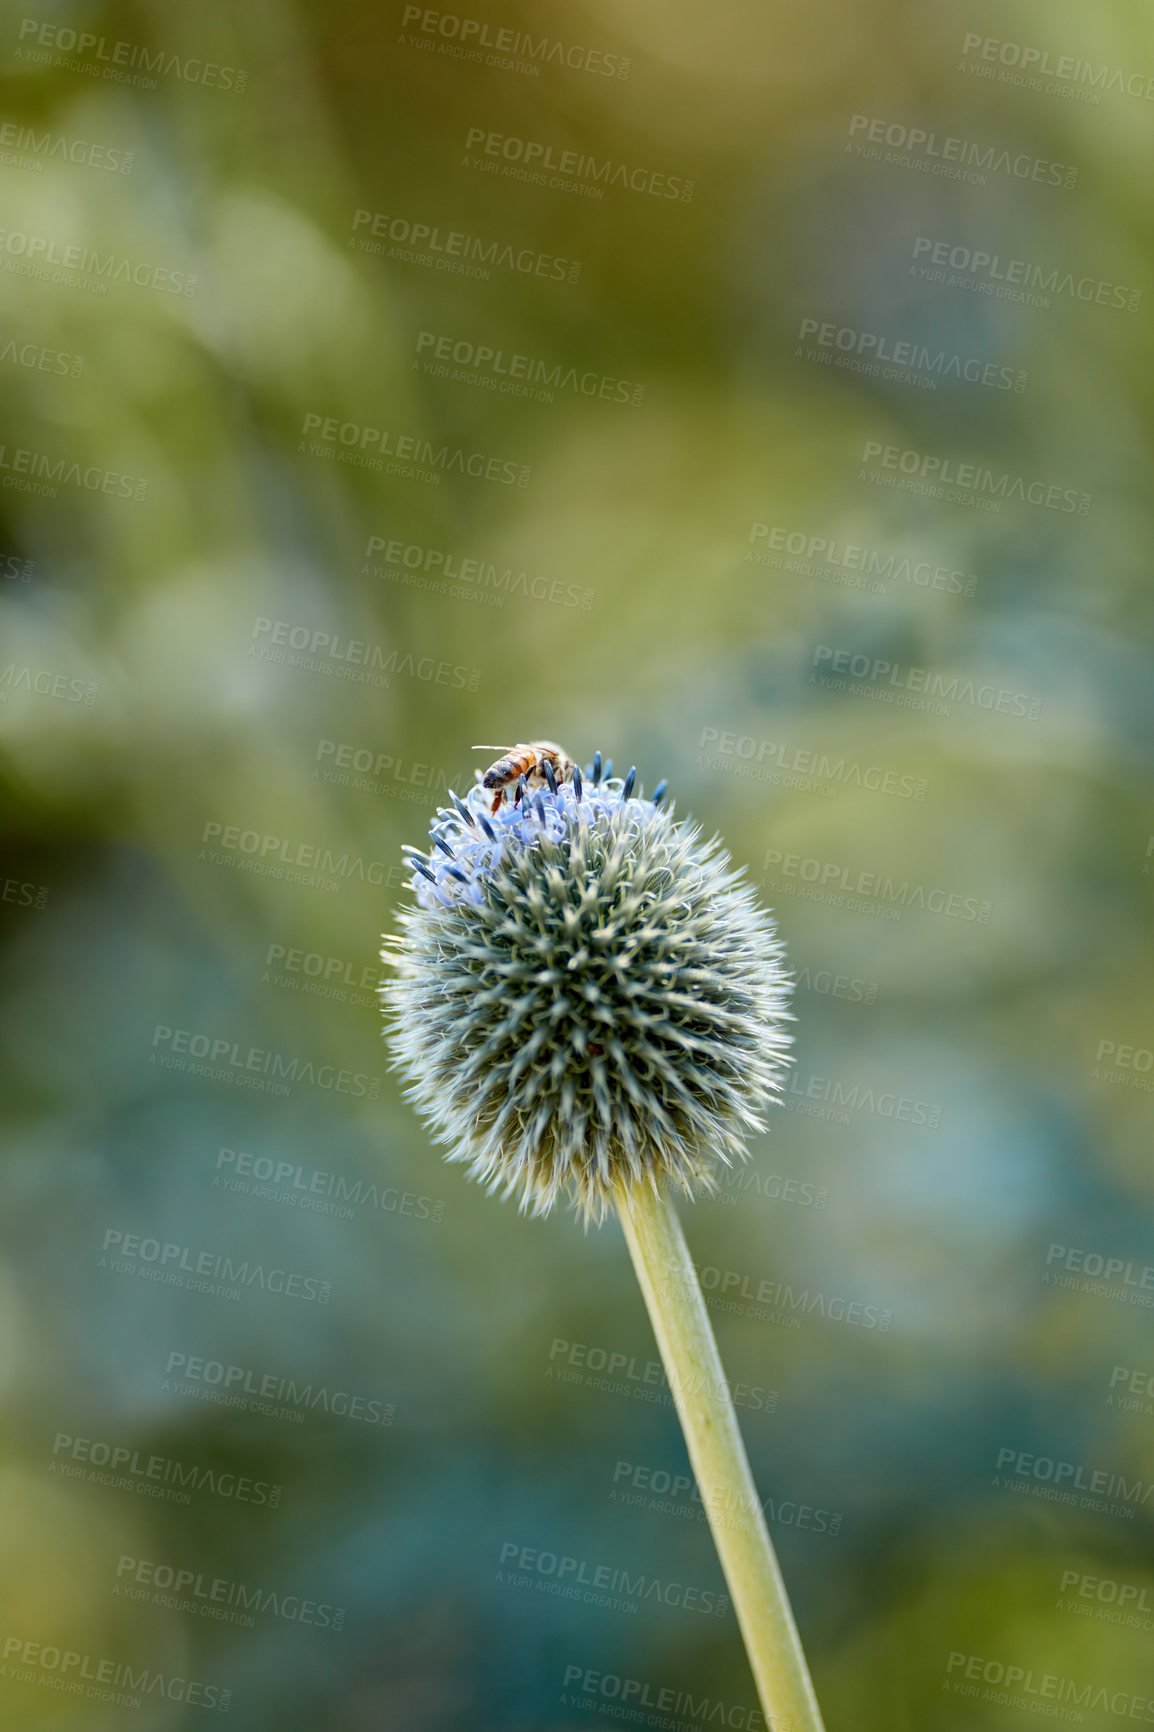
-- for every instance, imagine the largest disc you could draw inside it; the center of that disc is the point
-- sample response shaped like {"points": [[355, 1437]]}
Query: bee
{"points": [[536, 761]]}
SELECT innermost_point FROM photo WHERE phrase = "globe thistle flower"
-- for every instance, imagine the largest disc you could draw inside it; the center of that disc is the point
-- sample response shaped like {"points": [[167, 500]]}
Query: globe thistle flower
{"points": [[589, 1002], [588, 996]]}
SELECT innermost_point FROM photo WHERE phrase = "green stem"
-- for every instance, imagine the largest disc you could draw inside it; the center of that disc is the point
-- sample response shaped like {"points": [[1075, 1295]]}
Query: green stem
{"points": [[689, 1352]]}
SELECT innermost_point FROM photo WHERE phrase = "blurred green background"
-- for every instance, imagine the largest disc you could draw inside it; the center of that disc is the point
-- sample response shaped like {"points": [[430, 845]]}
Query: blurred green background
{"points": [[245, 653]]}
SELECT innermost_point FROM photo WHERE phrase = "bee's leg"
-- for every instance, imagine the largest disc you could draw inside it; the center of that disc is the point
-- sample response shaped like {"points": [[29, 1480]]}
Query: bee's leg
{"points": [[496, 806]]}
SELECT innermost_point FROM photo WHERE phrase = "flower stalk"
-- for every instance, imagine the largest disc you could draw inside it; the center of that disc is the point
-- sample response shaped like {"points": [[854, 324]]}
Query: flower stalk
{"points": [[676, 1307], [589, 1004]]}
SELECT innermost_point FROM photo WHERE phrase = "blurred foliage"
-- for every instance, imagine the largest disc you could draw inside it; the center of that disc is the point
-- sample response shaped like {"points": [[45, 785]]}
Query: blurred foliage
{"points": [[142, 717]]}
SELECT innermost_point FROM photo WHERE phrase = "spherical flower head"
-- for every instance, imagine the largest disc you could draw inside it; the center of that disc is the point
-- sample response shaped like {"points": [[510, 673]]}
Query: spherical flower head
{"points": [[587, 996]]}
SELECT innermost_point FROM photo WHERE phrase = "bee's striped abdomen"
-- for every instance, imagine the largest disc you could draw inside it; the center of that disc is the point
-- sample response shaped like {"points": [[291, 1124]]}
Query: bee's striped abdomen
{"points": [[507, 769]]}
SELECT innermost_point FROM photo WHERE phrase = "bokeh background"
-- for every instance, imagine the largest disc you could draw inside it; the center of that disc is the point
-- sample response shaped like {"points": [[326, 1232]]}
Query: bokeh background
{"points": [[226, 226]]}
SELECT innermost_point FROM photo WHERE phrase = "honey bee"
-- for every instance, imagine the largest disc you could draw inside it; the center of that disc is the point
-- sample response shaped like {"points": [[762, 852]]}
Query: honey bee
{"points": [[537, 761]]}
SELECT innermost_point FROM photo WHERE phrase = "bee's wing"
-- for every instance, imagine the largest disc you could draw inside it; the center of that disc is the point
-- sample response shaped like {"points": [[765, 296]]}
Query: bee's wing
{"points": [[492, 748]]}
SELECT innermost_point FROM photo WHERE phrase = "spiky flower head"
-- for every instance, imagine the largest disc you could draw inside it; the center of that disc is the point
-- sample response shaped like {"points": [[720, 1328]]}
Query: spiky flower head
{"points": [[587, 995]]}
